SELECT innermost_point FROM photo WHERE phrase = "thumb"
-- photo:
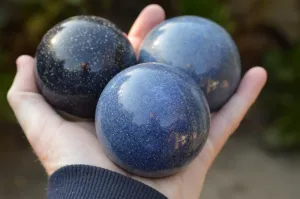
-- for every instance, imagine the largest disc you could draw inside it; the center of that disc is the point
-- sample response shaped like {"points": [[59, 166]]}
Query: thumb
{"points": [[56, 142], [30, 108], [150, 16]]}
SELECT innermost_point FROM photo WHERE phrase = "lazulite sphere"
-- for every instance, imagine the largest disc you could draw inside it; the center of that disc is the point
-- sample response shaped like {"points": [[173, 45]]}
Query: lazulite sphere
{"points": [[76, 59], [152, 120], [202, 49]]}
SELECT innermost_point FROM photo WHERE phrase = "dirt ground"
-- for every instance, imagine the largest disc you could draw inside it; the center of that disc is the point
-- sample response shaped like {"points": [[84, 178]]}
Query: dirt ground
{"points": [[243, 170]]}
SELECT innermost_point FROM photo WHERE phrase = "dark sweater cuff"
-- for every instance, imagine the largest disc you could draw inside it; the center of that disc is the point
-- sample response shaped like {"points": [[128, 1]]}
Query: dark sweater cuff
{"points": [[88, 182]]}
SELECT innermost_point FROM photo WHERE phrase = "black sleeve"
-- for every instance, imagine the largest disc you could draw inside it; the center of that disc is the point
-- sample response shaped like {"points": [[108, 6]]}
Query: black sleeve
{"points": [[88, 182]]}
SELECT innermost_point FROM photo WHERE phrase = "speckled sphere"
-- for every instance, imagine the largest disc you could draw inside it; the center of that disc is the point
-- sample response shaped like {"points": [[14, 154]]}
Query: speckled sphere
{"points": [[152, 120], [202, 49], [76, 59]]}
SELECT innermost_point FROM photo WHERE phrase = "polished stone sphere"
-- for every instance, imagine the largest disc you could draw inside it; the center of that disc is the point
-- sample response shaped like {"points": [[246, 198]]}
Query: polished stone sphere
{"points": [[76, 59], [200, 48], [152, 120]]}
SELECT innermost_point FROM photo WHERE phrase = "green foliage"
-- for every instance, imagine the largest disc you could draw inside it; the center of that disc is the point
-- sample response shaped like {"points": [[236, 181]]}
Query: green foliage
{"points": [[211, 9], [281, 97]]}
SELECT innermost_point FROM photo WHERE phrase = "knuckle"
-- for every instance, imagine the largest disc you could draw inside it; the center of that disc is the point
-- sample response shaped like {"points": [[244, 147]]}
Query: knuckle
{"points": [[14, 98], [10, 96]]}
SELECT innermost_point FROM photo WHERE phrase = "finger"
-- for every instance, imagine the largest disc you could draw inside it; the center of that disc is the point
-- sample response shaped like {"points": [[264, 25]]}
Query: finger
{"points": [[30, 108], [223, 124], [228, 119], [24, 77], [150, 16]]}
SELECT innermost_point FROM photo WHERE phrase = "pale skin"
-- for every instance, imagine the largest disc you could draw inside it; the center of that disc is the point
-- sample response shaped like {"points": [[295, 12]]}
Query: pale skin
{"points": [[58, 142]]}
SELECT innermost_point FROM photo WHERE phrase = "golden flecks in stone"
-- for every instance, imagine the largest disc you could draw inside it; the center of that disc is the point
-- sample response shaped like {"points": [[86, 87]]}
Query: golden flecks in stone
{"points": [[212, 85]]}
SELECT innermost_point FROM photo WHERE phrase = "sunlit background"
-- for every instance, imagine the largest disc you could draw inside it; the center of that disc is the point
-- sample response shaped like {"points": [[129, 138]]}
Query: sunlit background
{"points": [[260, 161]]}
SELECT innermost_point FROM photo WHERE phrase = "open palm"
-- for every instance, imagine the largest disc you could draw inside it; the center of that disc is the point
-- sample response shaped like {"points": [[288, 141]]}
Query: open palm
{"points": [[59, 142]]}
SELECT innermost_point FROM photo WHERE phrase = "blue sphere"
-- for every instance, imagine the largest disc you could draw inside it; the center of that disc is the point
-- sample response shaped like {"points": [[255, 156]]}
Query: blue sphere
{"points": [[75, 60], [152, 120], [202, 49]]}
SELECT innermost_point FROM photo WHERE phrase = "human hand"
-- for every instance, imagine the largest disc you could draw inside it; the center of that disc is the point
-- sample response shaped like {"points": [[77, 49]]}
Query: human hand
{"points": [[58, 142]]}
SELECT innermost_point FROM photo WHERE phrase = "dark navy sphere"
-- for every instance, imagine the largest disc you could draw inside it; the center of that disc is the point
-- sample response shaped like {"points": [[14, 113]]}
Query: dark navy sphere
{"points": [[152, 120], [202, 49], [75, 61]]}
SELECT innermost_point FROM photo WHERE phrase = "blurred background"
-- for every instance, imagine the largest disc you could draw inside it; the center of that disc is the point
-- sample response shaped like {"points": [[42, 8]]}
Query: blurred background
{"points": [[260, 161]]}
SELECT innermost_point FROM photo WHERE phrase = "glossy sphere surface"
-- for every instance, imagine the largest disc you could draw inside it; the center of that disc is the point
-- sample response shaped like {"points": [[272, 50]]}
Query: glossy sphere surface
{"points": [[202, 49], [152, 120], [76, 59]]}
